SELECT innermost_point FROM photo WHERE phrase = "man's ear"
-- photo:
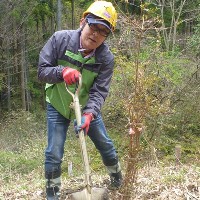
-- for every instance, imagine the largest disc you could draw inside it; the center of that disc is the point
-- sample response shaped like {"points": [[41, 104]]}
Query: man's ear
{"points": [[82, 22]]}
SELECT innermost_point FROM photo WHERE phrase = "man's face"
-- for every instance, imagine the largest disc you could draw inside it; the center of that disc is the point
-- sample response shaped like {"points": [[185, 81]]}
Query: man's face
{"points": [[93, 35]]}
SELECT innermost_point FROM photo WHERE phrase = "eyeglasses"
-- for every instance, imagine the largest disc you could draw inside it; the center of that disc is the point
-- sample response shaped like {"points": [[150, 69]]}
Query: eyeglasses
{"points": [[102, 32]]}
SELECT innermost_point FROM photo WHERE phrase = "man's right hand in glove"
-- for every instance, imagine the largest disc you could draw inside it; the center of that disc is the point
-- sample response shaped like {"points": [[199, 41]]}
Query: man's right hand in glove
{"points": [[85, 123], [70, 75]]}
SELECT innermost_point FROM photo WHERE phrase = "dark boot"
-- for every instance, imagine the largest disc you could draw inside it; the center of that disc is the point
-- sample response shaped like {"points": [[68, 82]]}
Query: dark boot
{"points": [[115, 181], [52, 193], [114, 171], [53, 183]]}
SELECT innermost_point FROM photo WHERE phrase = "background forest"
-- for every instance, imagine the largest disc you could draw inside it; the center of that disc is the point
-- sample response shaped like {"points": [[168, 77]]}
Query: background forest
{"points": [[153, 105]]}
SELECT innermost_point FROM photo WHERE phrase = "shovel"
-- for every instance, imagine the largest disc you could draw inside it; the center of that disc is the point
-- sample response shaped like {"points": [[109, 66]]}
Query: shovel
{"points": [[89, 192]]}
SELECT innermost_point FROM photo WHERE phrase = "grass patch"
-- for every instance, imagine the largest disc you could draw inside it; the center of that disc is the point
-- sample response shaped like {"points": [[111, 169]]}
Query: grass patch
{"points": [[13, 163]]}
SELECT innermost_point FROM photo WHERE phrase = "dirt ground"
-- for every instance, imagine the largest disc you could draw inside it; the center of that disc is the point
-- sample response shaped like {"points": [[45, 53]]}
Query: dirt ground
{"points": [[153, 182], [168, 183]]}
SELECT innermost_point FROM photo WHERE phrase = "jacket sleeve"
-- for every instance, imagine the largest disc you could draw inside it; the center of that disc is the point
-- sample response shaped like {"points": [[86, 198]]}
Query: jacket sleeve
{"points": [[48, 69], [100, 89]]}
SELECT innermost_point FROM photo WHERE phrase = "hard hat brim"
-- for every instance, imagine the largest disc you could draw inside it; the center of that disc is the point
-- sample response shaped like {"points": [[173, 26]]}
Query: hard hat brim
{"points": [[98, 21]]}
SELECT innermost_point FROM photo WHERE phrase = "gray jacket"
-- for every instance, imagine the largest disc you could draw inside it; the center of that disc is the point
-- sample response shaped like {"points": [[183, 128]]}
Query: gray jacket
{"points": [[50, 72]]}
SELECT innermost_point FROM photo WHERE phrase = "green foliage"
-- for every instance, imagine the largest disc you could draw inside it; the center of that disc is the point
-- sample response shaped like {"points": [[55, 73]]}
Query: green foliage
{"points": [[131, 7], [150, 10], [182, 124], [174, 69], [42, 10], [165, 145], [36, 89], [186, 112], [168, 107], [194, 40], [84, 4], [1, 80], [16, 14]]}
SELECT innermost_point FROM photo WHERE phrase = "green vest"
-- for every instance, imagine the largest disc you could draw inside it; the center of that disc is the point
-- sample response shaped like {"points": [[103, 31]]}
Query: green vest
{"points": [[57, 95]]}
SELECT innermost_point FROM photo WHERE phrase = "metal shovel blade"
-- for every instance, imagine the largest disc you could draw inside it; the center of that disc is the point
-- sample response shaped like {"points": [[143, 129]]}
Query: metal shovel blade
{"points": [[96, 194]]}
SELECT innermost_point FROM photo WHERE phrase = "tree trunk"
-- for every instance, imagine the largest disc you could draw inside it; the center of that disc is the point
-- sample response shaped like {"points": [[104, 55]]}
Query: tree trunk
{"points": [[23, 65], [8, 86], [73, 19], [59, 14]]}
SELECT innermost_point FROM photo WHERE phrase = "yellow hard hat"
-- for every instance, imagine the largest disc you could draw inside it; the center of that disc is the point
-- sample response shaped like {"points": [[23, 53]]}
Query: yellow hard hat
{"points": [[104, 10]]}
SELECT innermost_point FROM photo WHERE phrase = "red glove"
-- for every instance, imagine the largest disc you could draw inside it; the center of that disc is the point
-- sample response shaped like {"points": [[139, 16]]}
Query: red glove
{"points": [[85, 123], [70, 75]]}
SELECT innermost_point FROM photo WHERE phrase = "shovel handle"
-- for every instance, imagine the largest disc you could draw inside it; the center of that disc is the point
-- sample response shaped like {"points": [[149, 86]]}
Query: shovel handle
{"points": [[77, 109]]}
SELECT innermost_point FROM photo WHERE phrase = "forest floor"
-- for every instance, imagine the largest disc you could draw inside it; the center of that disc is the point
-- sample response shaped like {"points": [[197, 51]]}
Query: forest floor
{"points": [[153, 182], [22, 145], [172, 183]]}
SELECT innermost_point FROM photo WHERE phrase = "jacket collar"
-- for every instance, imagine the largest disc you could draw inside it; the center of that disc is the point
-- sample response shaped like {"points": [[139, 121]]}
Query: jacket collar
{"points": [[74, 42]]}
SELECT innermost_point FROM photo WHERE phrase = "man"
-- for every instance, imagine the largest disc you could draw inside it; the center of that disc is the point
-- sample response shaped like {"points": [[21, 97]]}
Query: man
{"points": [[65, 55]]}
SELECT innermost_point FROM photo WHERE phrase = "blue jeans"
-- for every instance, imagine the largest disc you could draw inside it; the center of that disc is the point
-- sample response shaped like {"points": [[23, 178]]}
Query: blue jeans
{"points": [[57, 127]]}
